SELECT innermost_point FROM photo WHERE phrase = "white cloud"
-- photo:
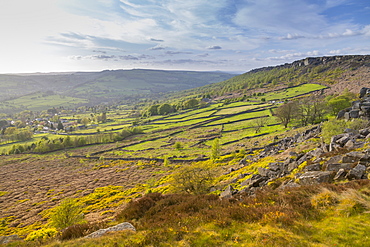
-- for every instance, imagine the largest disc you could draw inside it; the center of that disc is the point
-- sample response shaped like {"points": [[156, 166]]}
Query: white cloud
{"points": [[214, 47], [280, 16], [292, 36], [64, 33]]}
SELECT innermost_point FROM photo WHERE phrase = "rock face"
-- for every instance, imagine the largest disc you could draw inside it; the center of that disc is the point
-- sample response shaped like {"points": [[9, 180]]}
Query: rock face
{"points": [[360, 108], [119, 227], [316, 177], [9, 239], [323, 164], [314, 61], [318, 169]]}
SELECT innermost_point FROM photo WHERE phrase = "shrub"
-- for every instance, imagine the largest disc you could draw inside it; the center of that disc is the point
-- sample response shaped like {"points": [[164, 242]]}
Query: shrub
{"points": [[357, 124], [336, 127], [68, 213], [42, 234], [332, 128], [216, 149], [194, 179], [178, 146], [324, 199], [137, 208], [353, 202], [80, 230]]}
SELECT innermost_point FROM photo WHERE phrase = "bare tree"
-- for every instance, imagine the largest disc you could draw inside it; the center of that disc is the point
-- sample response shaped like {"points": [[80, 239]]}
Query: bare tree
{"points": [[258, 123], [286, 112], [311, 110]]}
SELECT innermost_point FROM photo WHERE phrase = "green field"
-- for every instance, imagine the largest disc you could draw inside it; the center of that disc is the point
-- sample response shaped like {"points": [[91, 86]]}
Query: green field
{"points": [[194, 129], [39, 102]]}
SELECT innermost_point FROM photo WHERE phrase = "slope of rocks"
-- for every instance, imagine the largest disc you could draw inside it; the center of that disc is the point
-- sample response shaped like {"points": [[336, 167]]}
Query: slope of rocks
{"points": [[326, 163]]}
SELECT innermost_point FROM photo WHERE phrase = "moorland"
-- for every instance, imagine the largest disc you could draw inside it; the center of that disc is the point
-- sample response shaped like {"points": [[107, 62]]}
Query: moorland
{"points": [[181, 166]]}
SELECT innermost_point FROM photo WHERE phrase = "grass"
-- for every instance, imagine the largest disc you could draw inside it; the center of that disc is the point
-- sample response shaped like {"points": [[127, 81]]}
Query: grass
{"points": [[245, 116], [185, 219], [236, 109], [39, 102], [272, 218], [293, 92]]}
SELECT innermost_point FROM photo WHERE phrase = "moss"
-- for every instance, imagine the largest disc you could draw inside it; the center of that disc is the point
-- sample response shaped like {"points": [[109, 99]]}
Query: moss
{"points": [[2, 193]]}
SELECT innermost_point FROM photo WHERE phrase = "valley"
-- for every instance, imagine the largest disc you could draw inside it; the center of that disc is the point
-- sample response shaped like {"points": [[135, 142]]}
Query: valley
{"points": [[193, 167]]}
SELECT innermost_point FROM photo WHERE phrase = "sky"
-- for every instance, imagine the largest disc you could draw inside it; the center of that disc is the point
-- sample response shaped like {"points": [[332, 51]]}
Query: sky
{"points": [[201, 35]]}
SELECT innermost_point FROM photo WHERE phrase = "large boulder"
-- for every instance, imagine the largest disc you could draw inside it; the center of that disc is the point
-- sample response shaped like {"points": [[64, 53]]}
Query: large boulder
{"points": [[355, 156], [120, 227], [316, 177], [254, 181], [313, 167], [364, 92], [357, 172], [8, 239], [228, 192], [337, 166]]}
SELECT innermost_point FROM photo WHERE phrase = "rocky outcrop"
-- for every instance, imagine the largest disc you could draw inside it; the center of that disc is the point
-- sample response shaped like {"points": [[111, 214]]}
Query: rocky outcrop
{"points": [[316, 177], [318, 168], [344, 61], [9, 239], [360, 108], [321, 165], [120, 227]]}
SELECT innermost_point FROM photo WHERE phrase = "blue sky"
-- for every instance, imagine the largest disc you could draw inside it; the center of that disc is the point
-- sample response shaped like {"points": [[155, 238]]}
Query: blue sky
{"points": [[226, 35]]}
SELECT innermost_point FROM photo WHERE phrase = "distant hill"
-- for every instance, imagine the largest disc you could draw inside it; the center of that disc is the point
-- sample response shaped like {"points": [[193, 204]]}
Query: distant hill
{"points": [[96, 87], [336, 72], [43, 91]]}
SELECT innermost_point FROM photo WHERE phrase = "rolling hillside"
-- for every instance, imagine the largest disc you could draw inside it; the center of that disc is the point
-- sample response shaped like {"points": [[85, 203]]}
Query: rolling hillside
{"points": [[91, 88], [223, 172]]}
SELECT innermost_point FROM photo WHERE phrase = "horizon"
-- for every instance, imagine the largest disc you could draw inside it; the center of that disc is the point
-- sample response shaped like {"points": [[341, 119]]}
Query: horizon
{"points": [[240, 35]]}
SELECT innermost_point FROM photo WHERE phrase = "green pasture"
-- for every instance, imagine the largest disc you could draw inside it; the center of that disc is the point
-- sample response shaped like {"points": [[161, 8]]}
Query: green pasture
{"points": [[238, 135], [199, 133], [191, 113], [36, 138], [186, 118], [239, 103], [236, 109], [38, 102], [245, 116], [154, 126], [292, 92], [248, 123], [146, 145]]}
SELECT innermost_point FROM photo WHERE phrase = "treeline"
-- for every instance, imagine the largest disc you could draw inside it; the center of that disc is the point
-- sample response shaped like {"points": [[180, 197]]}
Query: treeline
{"points": [[16, 134], [166, 108], [314, 109], [47, 145]]}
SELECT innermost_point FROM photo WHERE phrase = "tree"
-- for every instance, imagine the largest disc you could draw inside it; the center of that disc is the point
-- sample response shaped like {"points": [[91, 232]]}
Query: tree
{"points": [[165, 109], [191, 103], [216, 149], [258, 123], [104, 117], [178, 146], [85, 121], [3, 123], [286, 112], [68, 213], [338, 103], [194, 179], [60, 126], [311, 110], [153, 110]]}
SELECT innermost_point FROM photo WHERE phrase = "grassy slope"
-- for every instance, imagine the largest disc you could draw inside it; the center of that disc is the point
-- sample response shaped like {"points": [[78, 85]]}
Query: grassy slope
{"points": [[26, 91], [153, 176], [278, 225]]}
